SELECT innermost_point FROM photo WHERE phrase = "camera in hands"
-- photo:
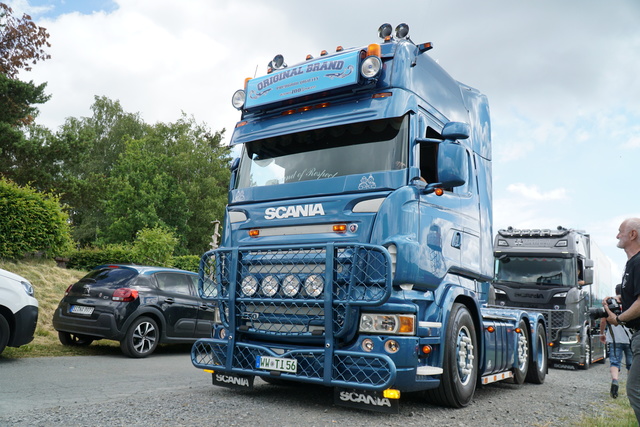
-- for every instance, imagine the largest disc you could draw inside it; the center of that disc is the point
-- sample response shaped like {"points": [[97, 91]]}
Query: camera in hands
{"points": [[598, 312]]}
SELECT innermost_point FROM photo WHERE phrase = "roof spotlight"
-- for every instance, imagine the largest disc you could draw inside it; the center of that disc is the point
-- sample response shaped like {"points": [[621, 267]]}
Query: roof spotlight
{"points": [[402, 31], [277, 62], [384, 30]]}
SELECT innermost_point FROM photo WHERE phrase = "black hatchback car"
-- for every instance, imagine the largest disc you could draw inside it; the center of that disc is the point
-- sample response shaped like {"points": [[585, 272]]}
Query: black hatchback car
{"points": [[139, 306]]}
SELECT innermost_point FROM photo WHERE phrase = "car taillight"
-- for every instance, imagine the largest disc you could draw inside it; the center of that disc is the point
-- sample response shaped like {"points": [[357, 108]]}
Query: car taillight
{"points": [[68, 290], [124, 295]]}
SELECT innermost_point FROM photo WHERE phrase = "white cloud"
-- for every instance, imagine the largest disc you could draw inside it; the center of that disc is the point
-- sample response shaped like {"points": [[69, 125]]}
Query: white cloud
{"points": [[532, 192]]}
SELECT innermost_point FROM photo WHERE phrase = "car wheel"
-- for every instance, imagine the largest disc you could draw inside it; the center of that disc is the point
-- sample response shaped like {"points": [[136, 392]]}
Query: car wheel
{"points": [[4, 333], [67, 338], [141, 339]]}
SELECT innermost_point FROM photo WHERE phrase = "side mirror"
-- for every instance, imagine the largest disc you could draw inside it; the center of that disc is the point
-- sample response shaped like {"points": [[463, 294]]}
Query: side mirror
{"points": [[456, 130], [234, 172], [452, 164], [587, 274]]}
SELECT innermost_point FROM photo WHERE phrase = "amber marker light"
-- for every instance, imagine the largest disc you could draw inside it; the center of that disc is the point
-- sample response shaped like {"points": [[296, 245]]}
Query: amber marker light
{"points": [[438, 191], [323, 53], [306, 108], [406, 324], [340, 228], [254, 233], [240, 124], [391, 393], [373, 50], [491, 329], [426, 349], [518, 331], [381, 95], [288, 112], [322, 105], [339, 49]]}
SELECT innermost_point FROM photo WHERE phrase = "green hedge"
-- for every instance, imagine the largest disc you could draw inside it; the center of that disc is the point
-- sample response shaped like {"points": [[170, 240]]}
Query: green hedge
{"points": [[31, 222], [187, 262], [87, 259]]}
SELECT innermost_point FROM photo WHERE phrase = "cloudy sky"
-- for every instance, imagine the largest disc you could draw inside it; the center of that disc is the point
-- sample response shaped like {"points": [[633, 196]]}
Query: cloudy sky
{"points": [[561, 77]]}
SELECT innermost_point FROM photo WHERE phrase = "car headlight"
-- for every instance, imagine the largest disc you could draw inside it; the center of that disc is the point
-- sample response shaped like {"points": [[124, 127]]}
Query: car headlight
{"points": [[249, 286], [378, 323], [314, 285], [27, 287]]}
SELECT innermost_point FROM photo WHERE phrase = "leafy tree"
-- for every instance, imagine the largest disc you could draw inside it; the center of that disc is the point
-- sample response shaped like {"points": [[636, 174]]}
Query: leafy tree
{"points": [[95, 145], [21, 45], [22, 42], [175, 177]]}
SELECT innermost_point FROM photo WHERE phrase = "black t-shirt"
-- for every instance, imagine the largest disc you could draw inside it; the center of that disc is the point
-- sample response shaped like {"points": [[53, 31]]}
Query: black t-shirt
{"points": [[631, 287]]}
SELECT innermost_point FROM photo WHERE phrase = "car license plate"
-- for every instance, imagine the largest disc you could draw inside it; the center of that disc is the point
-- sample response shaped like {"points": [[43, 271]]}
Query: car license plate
{"points": [[277, 364], [81, 309]]}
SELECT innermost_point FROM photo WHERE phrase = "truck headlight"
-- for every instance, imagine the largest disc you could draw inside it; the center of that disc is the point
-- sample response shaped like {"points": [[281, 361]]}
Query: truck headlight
{"points": [[397, 324], [291, 286], [314, 285], [269, 286], [370, 67], [249, 286]]}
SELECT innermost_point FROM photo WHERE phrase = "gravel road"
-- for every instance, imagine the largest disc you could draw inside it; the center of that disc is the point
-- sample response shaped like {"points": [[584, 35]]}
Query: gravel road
{"points": [[560, 401]]}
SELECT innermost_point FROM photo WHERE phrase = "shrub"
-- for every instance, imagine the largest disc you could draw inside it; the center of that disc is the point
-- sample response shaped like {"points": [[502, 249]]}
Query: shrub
{"points": [[87, 259], [31, 222], [155, 246], [187, 262]]}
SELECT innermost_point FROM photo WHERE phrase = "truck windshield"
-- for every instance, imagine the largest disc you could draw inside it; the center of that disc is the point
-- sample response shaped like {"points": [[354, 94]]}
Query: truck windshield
{"points": [[536, 271], [356, 148]]}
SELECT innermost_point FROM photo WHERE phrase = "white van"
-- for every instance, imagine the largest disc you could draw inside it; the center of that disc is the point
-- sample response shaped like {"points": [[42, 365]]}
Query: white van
{"points": [[18, 310]]}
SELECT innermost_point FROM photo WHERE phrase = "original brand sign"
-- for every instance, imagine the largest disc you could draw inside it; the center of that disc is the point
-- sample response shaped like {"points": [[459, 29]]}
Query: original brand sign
{"points": [[296, 211], [317, 76]]}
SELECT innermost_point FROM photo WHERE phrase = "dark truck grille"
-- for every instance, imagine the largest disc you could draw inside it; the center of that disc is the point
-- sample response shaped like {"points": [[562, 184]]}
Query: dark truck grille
{"points": [[353, 276]]}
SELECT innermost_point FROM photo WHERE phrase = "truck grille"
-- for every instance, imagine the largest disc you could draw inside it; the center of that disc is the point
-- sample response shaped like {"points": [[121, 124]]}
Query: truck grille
{"points": [[353, 275]]}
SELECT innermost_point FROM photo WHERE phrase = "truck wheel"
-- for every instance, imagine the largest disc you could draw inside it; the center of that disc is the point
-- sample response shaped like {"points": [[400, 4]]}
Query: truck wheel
{"points": [[539, 360], [70, 339], [141, 339], [460, 369], [4, 333], [522, 354]]}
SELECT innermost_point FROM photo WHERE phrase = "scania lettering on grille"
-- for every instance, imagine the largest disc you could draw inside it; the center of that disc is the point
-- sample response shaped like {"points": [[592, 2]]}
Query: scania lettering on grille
{"points": [[282, 212]]}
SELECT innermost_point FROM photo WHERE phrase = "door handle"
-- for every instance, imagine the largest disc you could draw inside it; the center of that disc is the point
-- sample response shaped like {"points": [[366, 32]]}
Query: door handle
{"points": [[169, 300]]}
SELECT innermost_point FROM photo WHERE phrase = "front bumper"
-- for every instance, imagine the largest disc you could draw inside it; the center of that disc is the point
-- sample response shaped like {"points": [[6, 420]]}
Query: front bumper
{"points": [[337, 368]]}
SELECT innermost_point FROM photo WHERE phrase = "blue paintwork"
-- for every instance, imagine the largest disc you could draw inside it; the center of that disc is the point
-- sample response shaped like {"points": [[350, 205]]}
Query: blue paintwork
{"points": [[444, 243]]}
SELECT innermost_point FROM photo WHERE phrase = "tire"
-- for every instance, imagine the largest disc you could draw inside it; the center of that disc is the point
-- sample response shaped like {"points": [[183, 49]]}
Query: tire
{"points": [[141, 339], [539, 361], [460, 369], [69, 339], [586, 348], [522, 353], [4, 333]]}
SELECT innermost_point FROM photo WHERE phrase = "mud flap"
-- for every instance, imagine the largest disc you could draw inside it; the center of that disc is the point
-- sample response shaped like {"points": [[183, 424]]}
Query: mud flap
{"points": [[365, 399], [243, 382]]}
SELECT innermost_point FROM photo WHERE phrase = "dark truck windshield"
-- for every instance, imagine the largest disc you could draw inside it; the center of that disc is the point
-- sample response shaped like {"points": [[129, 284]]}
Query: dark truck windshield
{"points": [[536, 271], [357, 148]]}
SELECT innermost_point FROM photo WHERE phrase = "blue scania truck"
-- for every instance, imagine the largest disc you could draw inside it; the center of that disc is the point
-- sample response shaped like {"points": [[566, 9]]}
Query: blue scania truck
{"points": [[357, 241]]}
